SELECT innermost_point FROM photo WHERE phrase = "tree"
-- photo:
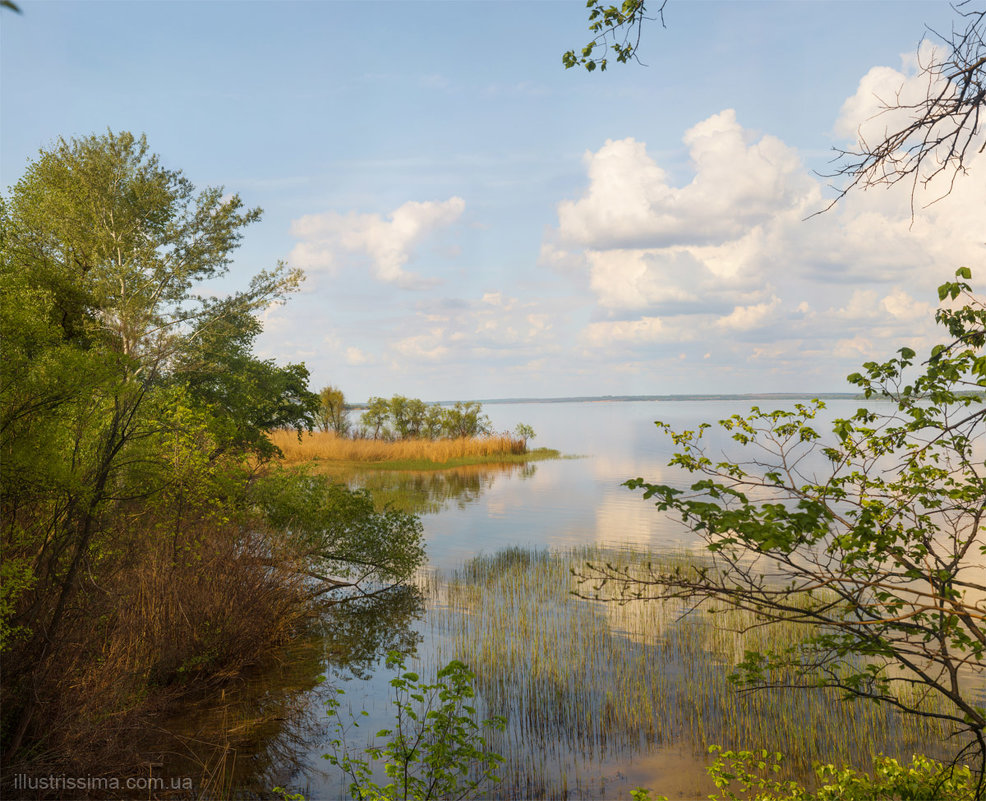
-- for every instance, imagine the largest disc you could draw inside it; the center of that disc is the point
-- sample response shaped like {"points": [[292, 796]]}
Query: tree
{"points": [[416, 414], [133, 420], [878, 556], [105, 247], [437, 749], [465, 420], [434, 421], [399, 416], [335, 535], [376, 415], [331, 414], [525, 432]]}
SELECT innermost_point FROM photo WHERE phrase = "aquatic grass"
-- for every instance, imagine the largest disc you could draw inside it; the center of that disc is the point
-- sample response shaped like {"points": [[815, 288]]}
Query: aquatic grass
{"points": [[586, 685], [405, 454]]}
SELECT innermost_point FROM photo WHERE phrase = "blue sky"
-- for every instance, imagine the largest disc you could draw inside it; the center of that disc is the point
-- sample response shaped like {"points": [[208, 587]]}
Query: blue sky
{"points": [[476, 222]]}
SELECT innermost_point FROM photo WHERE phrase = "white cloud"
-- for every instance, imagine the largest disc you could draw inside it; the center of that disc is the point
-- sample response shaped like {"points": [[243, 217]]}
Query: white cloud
{"points": [[387, 242], [646, 330], [355, 356], [736, 249], [904, 307], [739, 182], [745, 318], [423, 347]]}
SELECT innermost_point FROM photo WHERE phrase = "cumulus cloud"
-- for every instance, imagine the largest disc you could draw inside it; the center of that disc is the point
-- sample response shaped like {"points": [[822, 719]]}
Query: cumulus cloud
{"points": [[745, 318], [387, 242], [646, 330], [736, 247], [740, 181]]}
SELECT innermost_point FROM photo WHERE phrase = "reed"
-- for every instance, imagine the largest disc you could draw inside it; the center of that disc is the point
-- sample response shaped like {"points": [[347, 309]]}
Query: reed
{"points": [[309, 447], [588, 686]]}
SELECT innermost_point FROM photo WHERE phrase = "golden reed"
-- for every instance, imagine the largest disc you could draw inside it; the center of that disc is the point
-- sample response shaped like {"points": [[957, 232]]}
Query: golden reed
{"points": [[327, 446]]}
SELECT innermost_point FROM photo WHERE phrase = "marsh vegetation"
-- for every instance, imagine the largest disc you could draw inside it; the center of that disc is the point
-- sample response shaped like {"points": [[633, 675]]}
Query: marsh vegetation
{"points": [[593, 688]]}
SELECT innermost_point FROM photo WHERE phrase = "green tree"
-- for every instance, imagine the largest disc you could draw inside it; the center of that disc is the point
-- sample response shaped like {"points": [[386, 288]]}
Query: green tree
{"points": [[433, 422], [436, 750], [133, 420], [465, 419], [376, 415], [104, 247], [614, 28], [399, 416], [525, 432], [878, 558], [416, 414], [331, 414]]}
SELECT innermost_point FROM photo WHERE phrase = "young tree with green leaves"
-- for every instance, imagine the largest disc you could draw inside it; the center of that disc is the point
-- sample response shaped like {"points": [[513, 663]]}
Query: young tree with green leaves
{"points": [[465, 419], [880, 557], [331, 414], [133, 420], [437, 748], [376, 415]]}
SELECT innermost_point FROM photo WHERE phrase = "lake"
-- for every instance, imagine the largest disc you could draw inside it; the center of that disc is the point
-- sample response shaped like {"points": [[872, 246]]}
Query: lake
{"points": [[635, 696]]}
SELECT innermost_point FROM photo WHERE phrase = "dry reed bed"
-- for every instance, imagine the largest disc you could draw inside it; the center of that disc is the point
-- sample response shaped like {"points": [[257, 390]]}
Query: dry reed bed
{"points": [[585, 684], [327, 446]]}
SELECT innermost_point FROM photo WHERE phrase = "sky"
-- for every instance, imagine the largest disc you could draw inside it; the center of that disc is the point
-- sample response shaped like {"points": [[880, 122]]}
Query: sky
{"points": [[475, 221]]}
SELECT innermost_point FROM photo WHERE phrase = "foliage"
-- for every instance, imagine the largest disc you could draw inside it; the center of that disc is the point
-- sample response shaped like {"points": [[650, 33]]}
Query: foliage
{"points": [[878, 557], [376, 414], [465, 420], [753, 774], [525, 432], [331, 414], [436, 749], [133, 424], [335, 535], [411, 418], [616, 28]]}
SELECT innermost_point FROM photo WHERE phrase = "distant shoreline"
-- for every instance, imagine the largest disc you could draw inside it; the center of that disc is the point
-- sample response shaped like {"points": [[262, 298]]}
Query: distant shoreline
{"points": [[785, 396]]}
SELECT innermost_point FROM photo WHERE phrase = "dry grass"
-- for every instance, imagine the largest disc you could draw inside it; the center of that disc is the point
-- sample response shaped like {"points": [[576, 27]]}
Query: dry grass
{"points": [[168, 618], [327, 446]]}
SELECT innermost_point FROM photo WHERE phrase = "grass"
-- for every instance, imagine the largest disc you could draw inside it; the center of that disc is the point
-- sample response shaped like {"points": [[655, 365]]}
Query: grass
{"points": [[412, 454], [589, 686]]}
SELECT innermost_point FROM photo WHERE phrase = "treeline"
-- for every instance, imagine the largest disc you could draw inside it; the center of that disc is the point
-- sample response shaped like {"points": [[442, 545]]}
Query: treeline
{"points": [[402, 418], [150, 546]]}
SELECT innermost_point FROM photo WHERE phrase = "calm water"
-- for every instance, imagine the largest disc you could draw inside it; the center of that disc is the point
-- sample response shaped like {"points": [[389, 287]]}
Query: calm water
{"points": [[582, 501], [552, 504]]}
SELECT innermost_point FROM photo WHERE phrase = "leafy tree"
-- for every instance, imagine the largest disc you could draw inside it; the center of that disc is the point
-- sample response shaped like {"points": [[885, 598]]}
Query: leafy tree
{"points": [[434, 422], [335, 535], [133, 416], [437, 749], [331, 415], [103, 248], [465, 420], [376, 415], [525, 432], [399, 416], [878, 558], [416, 413]]}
